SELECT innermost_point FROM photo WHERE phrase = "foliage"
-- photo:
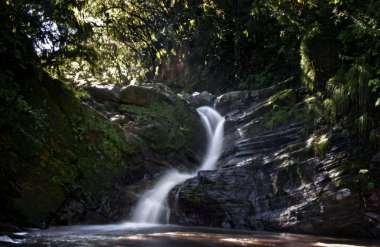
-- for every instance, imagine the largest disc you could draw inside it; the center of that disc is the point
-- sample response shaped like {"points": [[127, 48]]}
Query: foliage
{"points": [[50, 25], [339, 59], [211, 45], [215, 44]]}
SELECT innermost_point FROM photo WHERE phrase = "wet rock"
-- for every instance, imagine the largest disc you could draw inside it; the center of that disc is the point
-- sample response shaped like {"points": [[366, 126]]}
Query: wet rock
{"points": [[269, 178], [201, 99], [239, 100]]}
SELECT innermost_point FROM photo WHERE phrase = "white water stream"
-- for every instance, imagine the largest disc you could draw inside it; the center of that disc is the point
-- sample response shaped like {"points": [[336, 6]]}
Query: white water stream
{"points": [[153, 206]]}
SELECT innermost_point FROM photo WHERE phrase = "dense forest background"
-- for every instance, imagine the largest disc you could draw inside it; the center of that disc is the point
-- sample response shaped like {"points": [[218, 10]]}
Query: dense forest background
{"points": [[330, 46]]}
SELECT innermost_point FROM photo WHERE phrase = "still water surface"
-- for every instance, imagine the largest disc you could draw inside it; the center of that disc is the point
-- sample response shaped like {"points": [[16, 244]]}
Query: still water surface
{"points": [[151, 235]]}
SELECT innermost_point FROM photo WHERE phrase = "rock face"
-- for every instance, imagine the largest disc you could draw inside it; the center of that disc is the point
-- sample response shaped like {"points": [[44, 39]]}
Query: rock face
{"points": [[163, 129], [66, 162], [275, 174]]}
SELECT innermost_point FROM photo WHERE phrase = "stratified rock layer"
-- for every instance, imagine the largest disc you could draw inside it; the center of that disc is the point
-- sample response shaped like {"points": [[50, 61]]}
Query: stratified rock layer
{"points": [[275, 174]]}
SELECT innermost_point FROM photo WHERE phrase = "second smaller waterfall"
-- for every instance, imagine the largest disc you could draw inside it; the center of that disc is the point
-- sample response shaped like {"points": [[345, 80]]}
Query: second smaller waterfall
{"points": [[153, 206]]}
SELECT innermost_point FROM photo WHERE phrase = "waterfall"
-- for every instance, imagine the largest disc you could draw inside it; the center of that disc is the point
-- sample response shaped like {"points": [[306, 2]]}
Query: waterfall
{"points": [[214, 124], [153, 206]]}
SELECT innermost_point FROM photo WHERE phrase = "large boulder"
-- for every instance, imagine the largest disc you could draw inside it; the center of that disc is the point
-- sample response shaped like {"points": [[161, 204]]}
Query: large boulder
{"points": [[103, 93], [167, 134], [146, 94], [201, 99], [143, 94], [53, 148]]}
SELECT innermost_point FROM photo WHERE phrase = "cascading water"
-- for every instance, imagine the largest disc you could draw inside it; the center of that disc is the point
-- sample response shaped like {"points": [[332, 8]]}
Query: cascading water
{"points": [[214, 124], [153, 206]]}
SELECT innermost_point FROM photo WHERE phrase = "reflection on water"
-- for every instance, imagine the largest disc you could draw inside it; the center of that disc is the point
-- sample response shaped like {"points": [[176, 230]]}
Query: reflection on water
{"points": [[152, 235]]}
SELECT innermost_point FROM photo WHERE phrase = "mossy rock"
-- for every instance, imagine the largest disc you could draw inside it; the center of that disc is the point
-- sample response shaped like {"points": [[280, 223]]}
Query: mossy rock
{"points": [[55, 146], [284, 110], [167, 127], [290, 175], [146, 94], [55, 149], [285, 97]]}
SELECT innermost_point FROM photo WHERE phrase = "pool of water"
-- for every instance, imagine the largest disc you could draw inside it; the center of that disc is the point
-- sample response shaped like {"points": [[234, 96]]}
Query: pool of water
{"points": [[151, 235]]}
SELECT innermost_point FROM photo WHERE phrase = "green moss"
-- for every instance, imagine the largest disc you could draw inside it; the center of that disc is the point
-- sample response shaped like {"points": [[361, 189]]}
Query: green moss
{"points": [[330, 110], [281, 104], [282, 115], [40, 199], [77, 150], [167, 127], [277, 118], [61, 147], [319, 145], [283, 109], [289, 175], [357, 175], [286, 97]]}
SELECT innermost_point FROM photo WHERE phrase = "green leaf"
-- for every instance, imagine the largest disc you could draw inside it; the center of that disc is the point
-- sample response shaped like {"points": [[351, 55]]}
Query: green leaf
{"points": [[377, 102], [246, 33]]}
